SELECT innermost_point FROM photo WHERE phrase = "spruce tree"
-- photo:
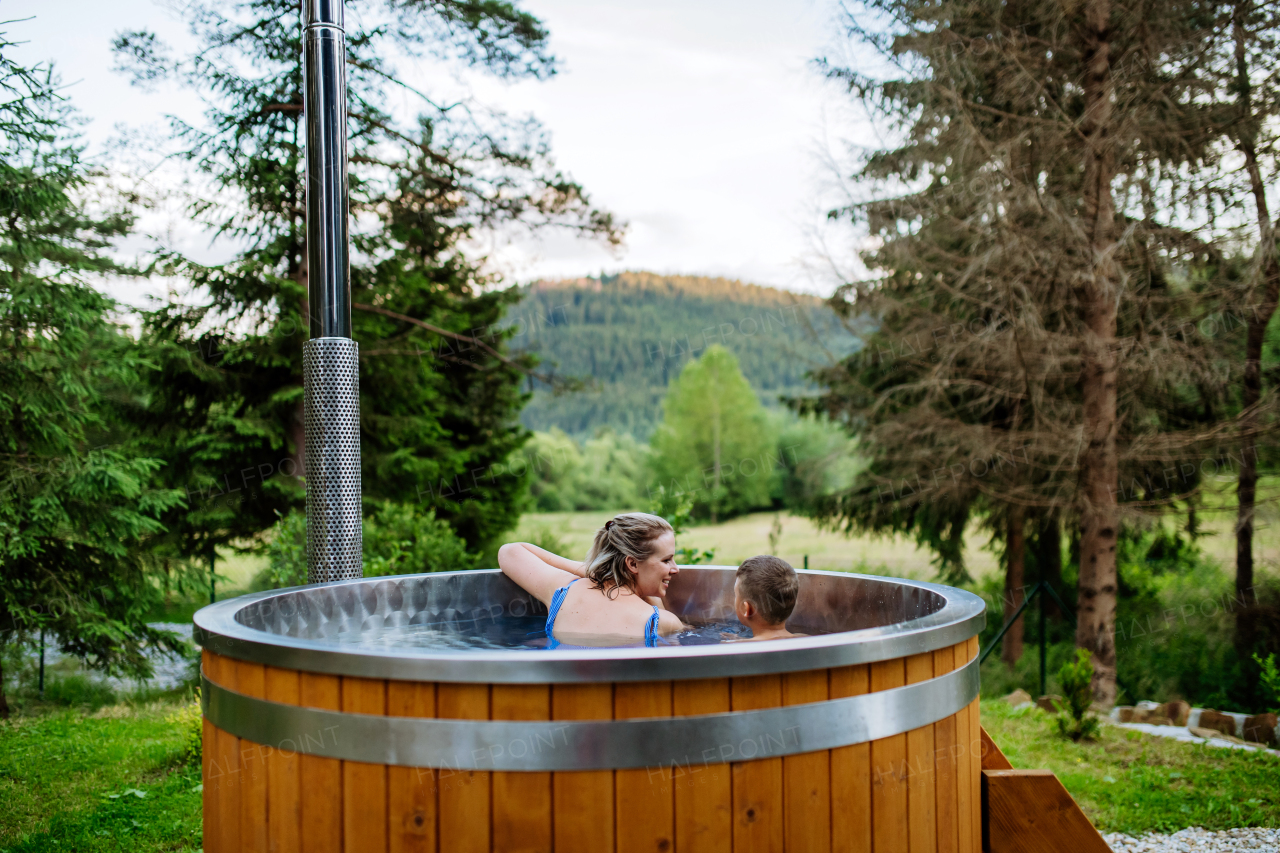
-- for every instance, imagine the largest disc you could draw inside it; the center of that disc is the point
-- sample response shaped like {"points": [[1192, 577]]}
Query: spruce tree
{"points": [[1035, 286], [76, 504], [439, 398]]}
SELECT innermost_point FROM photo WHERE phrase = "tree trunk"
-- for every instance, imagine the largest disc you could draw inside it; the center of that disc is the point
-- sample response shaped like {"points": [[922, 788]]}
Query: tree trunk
{"points": [[1247, 490], [1047, 552], [1260, 308], [1099, 464], [1015, 589]]}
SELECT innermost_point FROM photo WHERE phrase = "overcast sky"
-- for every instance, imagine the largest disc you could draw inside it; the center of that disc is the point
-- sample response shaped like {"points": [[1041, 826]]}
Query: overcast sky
{"points": [[700, 122]]}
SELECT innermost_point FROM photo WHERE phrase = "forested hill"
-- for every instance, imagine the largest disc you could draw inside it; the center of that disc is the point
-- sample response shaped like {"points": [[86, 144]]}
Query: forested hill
{"points": [[632, 332]]}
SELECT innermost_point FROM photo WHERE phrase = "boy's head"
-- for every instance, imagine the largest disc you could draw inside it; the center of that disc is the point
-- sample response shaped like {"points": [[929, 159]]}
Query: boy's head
{"points": [[769, 586]]}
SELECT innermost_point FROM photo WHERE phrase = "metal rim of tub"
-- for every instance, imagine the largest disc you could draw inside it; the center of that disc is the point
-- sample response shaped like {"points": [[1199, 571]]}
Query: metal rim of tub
{"points": [[961, 615], [527, 745]]}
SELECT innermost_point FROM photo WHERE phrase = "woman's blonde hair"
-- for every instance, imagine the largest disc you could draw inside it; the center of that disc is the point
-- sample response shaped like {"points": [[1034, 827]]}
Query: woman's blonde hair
{"points": [[631, 534]]}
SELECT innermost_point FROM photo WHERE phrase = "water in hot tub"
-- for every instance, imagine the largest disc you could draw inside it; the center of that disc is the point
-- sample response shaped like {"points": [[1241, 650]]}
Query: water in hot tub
{"points": [[520, 632]]}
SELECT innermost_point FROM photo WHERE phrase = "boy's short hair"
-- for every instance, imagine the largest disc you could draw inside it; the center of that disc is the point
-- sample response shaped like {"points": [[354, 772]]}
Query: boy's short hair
{"points": [[771, 585]]}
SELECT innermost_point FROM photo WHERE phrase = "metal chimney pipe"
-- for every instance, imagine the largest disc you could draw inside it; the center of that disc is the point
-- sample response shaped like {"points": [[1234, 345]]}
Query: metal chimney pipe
{"points": [[330, 359]]}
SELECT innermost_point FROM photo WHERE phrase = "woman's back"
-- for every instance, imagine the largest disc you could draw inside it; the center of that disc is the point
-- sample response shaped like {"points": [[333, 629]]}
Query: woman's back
{"points": [[579, 612]]}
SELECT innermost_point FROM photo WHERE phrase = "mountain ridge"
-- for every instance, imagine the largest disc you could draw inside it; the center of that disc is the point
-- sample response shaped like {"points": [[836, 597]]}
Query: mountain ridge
{"points": [[632, 332]]}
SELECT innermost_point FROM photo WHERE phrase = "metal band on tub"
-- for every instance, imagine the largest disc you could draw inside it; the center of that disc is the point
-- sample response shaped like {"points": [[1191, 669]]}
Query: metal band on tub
{"points": [[590, 744]]}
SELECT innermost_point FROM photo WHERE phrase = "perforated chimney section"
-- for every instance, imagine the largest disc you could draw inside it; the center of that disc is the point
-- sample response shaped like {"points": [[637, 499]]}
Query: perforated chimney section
{"points": [[331, 407]]}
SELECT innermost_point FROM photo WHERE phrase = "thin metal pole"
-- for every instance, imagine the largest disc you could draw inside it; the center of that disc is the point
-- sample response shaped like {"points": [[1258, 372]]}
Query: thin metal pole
{"points": [[324, 71], [330, 358], [1026, 602], [213, 578], [42, 663]]}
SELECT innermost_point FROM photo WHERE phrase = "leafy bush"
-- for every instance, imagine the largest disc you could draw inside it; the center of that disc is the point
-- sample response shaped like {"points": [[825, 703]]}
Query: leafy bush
{"points": [[1176, 632], [605, 472], [400, 540], [554, 463], [190, 723], [613, 471], [1270, 675], [397, 539], [286, 553], [1176, 625], [1076, 680], [816, 458]]}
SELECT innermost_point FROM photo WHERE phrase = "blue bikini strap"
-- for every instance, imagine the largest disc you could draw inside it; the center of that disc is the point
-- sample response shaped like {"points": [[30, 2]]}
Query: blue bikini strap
{"points": [[557, 599], [651, 629]]}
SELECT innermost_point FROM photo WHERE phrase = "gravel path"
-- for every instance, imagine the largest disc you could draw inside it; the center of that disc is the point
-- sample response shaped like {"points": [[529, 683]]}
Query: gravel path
{"points": [[1182, 733], [1196, 840]]}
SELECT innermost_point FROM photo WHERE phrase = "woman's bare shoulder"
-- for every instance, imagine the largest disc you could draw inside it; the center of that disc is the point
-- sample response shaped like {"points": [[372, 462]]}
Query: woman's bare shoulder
{"points": [[669, 623]]}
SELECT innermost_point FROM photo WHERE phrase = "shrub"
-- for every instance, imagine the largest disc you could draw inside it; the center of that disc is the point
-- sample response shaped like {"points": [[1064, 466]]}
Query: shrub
{"points": [[190, 722], [397, 539], [1076, 681], [286, 553], [1270, 674], [605, 472], [1176, 627], [816, 459]]}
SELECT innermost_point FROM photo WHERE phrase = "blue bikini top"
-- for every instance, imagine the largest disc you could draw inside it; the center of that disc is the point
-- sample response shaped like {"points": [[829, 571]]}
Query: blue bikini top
{"points": [[557, 599]]}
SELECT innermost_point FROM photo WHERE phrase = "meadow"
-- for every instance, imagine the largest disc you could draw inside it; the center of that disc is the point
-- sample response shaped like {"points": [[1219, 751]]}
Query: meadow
{"points": [[745, 536]]}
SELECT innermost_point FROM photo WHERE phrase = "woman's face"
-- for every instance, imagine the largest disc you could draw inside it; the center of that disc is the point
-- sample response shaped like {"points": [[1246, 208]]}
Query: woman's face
{"points": [[654, 572]]}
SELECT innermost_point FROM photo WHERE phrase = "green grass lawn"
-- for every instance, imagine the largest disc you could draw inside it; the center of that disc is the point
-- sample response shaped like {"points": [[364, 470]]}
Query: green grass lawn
{"points": [[110, 780], [1130, 782]]}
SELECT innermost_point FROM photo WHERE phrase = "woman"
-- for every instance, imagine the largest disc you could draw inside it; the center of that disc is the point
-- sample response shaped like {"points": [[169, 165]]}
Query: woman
{"points": [[627, 570]]}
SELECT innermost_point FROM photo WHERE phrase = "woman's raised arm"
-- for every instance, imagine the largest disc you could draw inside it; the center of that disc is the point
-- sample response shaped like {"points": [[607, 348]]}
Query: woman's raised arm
{"points": [[562, 563], [522, 562]]}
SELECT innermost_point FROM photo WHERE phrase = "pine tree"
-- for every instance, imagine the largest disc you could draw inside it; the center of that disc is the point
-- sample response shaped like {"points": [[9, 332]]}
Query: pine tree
{"points": [[438, 397], [75, 506], [715, 442], [1035, 285]]}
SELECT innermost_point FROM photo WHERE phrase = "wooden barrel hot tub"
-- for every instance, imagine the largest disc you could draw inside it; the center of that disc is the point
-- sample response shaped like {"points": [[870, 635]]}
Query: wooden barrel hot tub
{"points": [[863, 737]]}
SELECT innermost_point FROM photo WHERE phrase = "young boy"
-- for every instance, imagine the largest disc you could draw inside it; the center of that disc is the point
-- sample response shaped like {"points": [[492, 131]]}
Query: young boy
{"points": [[764, 594]]}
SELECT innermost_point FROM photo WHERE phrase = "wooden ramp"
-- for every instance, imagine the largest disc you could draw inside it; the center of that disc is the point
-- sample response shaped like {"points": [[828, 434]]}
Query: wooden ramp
{"points": [[1028, 811]]}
